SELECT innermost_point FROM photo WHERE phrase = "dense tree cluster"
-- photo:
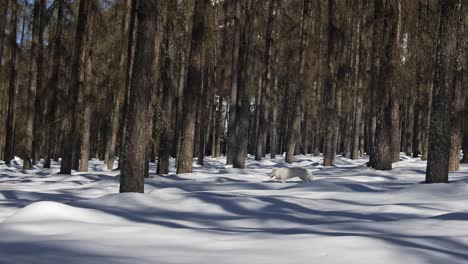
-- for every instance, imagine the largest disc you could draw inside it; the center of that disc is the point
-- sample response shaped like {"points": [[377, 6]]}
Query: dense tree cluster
{"points": [[143, 81]]}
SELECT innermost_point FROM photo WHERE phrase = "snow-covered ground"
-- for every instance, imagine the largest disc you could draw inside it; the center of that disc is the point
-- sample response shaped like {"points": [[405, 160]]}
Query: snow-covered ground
{"points": [[347, 214]]}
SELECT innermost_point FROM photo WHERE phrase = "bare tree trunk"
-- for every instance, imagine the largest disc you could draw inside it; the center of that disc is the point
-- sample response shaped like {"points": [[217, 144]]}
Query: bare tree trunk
{"points": [[119, 95], [204, 107], [32, 87], [274, 121], [357, 125], [458, 105], [330, 92], [231, 133], [219, 128], [447, 67], [395, 128], [265, 83], [71, 132], [410, 127], [3, 96], [9, 138], [426, 120], [169, 88], [135, 159], [383, 149], [85, 105], [54, 86], [39, 102], [245, 70], [298, 100], [128, 76], [193, 89]]}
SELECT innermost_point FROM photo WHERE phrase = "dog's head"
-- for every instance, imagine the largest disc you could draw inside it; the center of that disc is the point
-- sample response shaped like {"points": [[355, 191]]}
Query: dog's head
{"points": [[272, 174]]}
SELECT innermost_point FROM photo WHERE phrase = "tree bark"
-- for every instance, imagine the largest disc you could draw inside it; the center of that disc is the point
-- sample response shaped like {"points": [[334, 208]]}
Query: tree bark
{"points": [[265, 83], [445, 84], [330, 92], [167, 135], [10, 120], [128, 76], [135, 158], [71, 131], [383, 150], [3, 25], [300, 90], [231, 133], [193, 89], [32, 87], [458, 103]]}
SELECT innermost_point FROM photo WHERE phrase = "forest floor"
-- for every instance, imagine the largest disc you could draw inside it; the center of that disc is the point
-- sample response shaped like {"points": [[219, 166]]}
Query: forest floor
{"points": [[347, 214]]}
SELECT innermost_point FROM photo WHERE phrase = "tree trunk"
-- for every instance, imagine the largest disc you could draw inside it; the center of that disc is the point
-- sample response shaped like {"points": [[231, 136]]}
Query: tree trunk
{"points": [[330, 92], [357, 125], [10, 120], [3, 25], [71, 131], [52, 126], [135, 158], [85, 114], [274, 121], [128, 77], [383, 145], [204, 107], [245, 70], [265, 83], [458, 105], [447, 67], [193, 89], [167, 135], [231, 133], [39, 102], [32, 87], [410, 127], [119, 95], [299, 93], [395, 128], [218, 129]]}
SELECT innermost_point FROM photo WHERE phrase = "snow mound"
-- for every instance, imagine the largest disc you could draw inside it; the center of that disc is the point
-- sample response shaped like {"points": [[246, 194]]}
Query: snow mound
{"points": [[168, 193], [53, 211]]}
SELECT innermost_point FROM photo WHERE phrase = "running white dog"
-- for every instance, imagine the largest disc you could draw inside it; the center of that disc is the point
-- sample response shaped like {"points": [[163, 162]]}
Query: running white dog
{"points": [[283, 174]]}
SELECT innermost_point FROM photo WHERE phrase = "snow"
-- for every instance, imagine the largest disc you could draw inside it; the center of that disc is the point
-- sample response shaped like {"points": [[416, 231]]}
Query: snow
{"points": [[347, 214]]}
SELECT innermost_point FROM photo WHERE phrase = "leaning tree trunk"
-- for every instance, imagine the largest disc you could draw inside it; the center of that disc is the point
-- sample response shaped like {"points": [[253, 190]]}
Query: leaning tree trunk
{"points": [[447, 67], [193, 89], [135, 158]]}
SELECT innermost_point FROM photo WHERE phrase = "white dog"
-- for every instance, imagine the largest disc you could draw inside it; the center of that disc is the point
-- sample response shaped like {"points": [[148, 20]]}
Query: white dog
{"points": [[283, 174]]}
